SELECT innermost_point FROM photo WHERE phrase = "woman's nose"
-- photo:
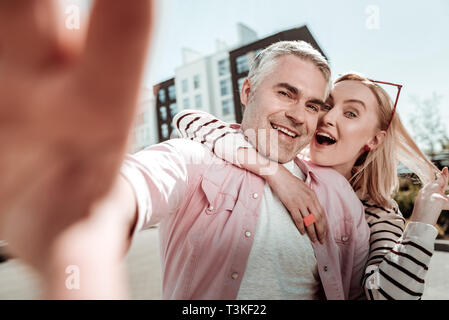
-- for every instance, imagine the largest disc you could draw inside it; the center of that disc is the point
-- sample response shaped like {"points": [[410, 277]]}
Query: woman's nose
{"points": [[329, 118]]}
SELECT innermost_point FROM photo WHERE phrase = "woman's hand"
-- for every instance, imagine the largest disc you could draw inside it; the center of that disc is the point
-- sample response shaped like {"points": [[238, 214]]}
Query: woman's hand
{"points": [[296, 196], [300, 201], [431, 200]]}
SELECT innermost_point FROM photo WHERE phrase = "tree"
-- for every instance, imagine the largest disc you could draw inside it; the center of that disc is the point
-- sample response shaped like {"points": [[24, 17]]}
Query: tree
{"points": [[427, 127]]}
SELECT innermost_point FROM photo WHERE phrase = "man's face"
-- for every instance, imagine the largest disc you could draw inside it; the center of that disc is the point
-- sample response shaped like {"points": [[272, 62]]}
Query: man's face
{"points": [[283, 110]]}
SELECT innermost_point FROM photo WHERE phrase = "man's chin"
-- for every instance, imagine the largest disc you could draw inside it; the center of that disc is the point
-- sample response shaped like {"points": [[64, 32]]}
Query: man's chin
{"points": [[282, 158], [277, 154]]}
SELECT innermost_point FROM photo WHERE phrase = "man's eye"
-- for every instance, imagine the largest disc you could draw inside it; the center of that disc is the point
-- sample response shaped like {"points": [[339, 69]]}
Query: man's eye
{"points": [[326, 107], [283, 93], [312, 107]]}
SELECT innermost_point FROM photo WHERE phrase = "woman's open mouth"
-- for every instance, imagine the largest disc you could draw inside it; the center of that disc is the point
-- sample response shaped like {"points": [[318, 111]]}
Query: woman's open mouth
{"points": [[324, 139]]}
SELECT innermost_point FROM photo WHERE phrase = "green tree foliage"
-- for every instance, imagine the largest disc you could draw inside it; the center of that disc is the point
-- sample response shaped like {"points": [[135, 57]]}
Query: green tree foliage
{"points": [[427, 125]]}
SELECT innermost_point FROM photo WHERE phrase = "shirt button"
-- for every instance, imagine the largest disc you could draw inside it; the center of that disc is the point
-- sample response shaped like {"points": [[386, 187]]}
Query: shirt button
{"points": [[344, 238], [247, 234], [235, 275], [325, 268], [211, 208], [255, 195]]}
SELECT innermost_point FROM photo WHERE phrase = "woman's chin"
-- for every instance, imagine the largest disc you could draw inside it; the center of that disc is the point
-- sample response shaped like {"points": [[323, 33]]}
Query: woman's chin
{"points": [[322, 155]]}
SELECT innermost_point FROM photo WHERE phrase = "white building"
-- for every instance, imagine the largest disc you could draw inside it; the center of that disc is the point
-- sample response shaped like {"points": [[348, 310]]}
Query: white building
{"points": [[204, 82], [144, 132]]}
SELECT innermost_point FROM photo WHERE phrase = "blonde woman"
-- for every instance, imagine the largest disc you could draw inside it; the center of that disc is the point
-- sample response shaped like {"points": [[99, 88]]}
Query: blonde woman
{"points": [[361, 137]]}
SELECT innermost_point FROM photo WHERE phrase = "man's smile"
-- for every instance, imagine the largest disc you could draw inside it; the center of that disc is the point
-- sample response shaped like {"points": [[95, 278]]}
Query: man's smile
{"points": [[285, 131]]}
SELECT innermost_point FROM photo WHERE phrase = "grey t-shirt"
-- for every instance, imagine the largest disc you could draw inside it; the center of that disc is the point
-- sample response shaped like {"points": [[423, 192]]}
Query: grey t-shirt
{"points": [[282, 263]]}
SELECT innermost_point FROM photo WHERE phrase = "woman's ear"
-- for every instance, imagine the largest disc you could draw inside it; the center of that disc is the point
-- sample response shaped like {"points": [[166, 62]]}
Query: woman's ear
{"points": [[377, 140], [246, 92]]}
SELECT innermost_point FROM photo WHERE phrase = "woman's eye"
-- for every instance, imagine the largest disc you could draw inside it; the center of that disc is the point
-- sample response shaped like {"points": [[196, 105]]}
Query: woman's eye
{"points": [[350, 114]]}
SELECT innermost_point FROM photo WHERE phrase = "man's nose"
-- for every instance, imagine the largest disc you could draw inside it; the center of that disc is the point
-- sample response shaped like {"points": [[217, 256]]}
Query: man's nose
{"points": [[296, 114]]}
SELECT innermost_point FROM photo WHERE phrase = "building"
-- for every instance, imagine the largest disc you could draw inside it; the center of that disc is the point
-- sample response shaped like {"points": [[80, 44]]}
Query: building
{"points": [[144, 132], [166, 108], [212, 83], [205, 84]]}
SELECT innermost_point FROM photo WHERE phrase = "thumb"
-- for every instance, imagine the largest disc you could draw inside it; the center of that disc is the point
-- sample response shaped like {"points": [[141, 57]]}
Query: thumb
{"points": [[442, 178], [445, 201]]}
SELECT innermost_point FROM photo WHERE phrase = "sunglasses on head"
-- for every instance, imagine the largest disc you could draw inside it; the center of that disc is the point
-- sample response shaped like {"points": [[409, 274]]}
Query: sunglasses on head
{"points": [[397, 98]]}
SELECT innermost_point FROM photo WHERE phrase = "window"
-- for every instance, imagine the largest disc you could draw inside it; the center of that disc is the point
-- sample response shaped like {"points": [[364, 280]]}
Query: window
{"points": [[163, 113], [198, 102], [161, 94], [226, 107], [185, 86], [173, 109], [240, 83], [172, 92], [137, 137], [225, 87], [164, 130], [140, 118], [196, 82], [186, 103], [242, 64], [223, 67]]}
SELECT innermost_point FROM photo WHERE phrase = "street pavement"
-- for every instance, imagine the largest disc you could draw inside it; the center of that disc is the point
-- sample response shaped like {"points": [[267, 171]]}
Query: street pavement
{"points": [[144, 272]]}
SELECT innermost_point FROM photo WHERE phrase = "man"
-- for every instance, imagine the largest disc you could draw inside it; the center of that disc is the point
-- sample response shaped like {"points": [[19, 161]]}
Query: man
{"points": [[223, 233]]}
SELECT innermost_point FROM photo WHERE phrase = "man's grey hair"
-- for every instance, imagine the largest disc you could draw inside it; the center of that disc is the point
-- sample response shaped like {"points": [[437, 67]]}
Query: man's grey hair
{"points": [[265, 61]]}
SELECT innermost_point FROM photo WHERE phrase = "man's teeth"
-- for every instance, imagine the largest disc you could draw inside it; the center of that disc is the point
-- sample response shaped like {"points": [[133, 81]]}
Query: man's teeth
{"points": [[290, 133]]}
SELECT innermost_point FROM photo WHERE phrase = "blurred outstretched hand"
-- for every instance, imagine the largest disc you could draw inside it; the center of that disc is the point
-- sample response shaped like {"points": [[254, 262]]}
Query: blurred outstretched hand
{"points": [[66, 105]]}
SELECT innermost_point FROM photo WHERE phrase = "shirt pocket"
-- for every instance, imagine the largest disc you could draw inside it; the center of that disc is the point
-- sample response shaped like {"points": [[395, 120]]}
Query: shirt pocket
{"points": [[218, 201], [343, 231]]}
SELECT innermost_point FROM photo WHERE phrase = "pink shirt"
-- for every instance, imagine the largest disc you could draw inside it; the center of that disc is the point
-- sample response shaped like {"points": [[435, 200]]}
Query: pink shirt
{"points": [[208, 211]]}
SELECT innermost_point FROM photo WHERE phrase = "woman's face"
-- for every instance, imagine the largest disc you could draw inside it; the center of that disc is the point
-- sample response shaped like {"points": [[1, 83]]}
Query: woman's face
{"points": [[349, 125]]}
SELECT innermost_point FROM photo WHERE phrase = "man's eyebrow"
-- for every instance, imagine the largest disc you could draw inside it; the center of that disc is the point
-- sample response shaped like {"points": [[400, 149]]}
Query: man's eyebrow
{"points": [[289, 87], [317, 101], [356, 101], [297, 91]]}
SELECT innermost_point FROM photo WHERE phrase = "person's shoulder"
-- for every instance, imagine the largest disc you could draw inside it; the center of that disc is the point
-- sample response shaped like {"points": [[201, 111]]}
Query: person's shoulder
{"points": [[338, 190], [331, 179], [376, 211], [192, 152], [179, 145]]}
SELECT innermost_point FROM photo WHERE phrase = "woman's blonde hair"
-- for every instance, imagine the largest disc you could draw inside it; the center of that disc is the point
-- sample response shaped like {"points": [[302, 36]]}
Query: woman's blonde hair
{"points": [[375, 174]]}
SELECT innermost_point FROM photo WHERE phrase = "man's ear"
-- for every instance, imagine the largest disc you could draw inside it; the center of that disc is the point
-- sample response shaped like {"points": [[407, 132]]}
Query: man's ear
{"points": [[377, 140], [246, 92]]}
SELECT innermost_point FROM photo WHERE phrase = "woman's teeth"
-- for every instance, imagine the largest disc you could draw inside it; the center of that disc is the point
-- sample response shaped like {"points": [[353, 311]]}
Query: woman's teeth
{"points": [[284, 130], [324, 138]]}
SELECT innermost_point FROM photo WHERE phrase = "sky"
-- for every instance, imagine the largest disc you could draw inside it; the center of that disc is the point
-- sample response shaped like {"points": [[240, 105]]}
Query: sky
{"points": [[399, 41]]}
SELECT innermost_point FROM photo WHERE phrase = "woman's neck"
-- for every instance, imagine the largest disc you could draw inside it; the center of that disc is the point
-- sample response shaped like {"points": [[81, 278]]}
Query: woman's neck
{"points": [[345, 169]]}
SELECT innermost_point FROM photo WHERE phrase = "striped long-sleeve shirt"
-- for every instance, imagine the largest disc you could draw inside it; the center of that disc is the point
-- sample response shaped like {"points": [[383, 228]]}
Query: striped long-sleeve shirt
{"points": [[399, 256]]}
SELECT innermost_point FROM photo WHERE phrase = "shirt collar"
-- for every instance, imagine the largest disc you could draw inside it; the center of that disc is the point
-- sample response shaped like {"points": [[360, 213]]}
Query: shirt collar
{"points": [[308, 170]]}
